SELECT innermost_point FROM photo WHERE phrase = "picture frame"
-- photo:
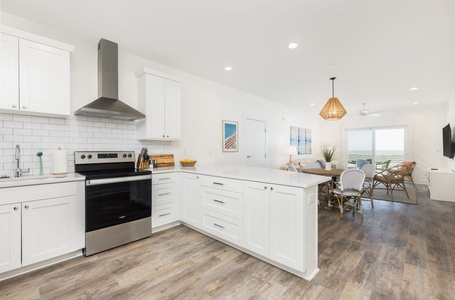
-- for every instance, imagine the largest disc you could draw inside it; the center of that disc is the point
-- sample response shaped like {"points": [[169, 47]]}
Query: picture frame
{"points": [[230, 137]]}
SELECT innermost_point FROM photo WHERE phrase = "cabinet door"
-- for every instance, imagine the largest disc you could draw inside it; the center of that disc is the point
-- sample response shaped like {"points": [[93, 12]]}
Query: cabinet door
{"points": [[191, 200], [155, 107], [44, 78], [256, 220], [172, 109], [47, 228], [286, 226], [10, 237], [9, 72]]}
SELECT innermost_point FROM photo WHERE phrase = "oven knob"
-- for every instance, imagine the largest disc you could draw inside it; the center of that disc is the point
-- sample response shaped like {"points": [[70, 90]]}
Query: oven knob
{"points": [[82, 156], [89, 156], [129, 155], [124, 155]]}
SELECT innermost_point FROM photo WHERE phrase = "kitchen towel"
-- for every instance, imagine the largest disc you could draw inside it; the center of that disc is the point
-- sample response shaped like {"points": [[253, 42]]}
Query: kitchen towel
{"points": [[60, 162]]}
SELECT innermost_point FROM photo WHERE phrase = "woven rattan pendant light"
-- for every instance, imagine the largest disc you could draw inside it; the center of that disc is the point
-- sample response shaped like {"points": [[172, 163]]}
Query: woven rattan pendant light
{"points": [[333, 110]]}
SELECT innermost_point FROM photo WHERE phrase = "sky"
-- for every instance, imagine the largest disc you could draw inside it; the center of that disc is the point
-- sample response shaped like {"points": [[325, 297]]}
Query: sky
{"points": [[385, 139]]}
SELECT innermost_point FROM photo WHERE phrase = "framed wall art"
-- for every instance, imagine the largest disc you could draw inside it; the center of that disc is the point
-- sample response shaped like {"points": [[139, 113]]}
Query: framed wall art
{"points": [[230, 136], [301, 138]]}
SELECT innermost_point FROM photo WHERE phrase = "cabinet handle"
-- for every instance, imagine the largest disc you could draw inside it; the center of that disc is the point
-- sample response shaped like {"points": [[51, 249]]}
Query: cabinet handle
{"points": [[167, 136], [14, 105], [163, 135], [16, 208], [271, 188], [265, 187], [219, 201], [164, 178], [164, 194], [164, 215], [218, 183], [24, 107], [218, 225], [26, 206]]}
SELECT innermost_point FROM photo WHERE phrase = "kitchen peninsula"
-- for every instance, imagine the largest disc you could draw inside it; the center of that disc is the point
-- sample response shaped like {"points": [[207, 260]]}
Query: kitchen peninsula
{"points": [[270, 214]]}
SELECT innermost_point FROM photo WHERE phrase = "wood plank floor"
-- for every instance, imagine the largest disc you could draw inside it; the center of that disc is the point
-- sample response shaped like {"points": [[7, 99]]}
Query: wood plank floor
{"points": [[399, 251]]}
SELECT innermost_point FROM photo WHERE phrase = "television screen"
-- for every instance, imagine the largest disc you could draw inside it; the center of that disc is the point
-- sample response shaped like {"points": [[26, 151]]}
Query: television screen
{"points": [[447, 141]]}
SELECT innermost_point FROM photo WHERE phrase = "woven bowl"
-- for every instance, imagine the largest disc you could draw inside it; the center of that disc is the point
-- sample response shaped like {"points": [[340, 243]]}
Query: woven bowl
{"points": [[188, 163]]}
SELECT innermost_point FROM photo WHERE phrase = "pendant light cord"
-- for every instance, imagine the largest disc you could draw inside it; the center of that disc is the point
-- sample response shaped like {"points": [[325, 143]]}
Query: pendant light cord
{"points": [[333, 86]]}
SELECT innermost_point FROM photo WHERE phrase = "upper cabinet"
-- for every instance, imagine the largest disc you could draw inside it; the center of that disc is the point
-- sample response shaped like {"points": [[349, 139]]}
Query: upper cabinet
{"points": [[160, 98], [35, 74]]}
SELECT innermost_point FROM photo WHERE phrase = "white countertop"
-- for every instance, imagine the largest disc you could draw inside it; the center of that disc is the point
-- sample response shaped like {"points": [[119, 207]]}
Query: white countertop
{"points": [[44, 179], [272, 176]]}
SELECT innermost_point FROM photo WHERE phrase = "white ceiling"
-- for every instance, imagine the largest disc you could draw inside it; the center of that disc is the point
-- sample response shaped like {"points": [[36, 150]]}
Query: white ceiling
{"points": [[378, 50]]}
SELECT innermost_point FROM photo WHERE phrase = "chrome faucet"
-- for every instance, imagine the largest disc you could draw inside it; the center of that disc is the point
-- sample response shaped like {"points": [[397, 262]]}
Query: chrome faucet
{"points": [[17, 157]]}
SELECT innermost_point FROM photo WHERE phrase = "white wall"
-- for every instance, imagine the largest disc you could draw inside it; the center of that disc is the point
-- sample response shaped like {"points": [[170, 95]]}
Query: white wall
{"points": [[424, 124], [204, 105]]}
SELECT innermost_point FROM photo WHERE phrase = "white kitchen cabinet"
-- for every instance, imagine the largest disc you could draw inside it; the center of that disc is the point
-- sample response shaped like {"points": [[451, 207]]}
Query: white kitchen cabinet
{"points": [[47, 222], [10, 237], [35, 74], [257, 217], [191, 200], [164, 199], [160, 99], [287, 235]]}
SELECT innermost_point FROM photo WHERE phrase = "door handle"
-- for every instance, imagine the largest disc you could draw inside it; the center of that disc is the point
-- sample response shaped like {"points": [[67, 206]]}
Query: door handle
{"points": [[248, 156]]}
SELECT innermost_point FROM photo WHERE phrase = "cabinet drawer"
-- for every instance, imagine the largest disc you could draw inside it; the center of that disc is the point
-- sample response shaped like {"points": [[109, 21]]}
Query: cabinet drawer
{"points": [[37, 192], [224, 202], [164, 214], [163, 193], [225, 227], [222, 183], [163, 178]]}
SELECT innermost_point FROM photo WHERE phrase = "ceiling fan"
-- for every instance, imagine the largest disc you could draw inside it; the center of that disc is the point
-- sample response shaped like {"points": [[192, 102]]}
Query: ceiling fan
{"points": [[365, 112]]}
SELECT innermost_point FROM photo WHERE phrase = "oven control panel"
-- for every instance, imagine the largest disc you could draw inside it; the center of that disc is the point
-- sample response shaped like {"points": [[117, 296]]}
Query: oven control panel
{"points": [[97, 157]]}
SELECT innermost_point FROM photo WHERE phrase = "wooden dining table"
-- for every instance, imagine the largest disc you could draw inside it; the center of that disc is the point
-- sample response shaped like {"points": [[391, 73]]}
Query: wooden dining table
{"points": [[334, 173]]}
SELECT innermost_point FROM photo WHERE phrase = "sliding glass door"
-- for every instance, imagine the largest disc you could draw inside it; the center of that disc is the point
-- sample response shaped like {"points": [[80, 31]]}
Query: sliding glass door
{"points": [[383, 147]]}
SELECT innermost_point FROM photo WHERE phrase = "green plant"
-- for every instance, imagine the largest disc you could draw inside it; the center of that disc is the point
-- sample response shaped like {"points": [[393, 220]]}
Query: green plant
{"points": [[328, 152]]}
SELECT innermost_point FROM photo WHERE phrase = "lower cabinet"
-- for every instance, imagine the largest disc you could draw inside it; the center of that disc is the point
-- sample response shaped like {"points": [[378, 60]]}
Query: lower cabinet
{"points": [[274, 216], [191, 200], [48, 222], [164, 199]]}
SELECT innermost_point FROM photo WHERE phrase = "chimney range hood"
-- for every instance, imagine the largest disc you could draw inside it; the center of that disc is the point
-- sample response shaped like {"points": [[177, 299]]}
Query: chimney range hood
{"points": [[108, 105]]}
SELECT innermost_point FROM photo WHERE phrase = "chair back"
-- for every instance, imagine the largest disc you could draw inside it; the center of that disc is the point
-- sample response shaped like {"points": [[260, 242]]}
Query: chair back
{"points": [[352, 179], [361, 162], [410, 166], [292, 169], [313, 165], [369, 170]]}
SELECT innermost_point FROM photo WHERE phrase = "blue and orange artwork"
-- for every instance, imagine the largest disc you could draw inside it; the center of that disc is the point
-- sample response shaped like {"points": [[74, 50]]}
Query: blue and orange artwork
{"points": [[230, 136]]}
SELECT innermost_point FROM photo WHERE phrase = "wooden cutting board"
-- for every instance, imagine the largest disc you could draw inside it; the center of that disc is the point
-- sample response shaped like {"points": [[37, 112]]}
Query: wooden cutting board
{"points": [[164, 160]]}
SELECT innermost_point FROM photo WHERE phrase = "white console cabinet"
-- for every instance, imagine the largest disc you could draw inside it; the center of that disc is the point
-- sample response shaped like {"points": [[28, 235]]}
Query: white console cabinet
{"points": [[440, 183]]}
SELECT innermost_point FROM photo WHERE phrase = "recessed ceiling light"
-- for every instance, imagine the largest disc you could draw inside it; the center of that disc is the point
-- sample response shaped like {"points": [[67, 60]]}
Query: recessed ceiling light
{"points": [[312, 104], [228, 68], [292, 45], [414, 88], [415, 103]]}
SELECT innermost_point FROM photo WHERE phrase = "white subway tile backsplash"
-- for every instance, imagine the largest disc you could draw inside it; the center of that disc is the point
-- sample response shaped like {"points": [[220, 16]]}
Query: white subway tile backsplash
{"points": [[74, 133]]}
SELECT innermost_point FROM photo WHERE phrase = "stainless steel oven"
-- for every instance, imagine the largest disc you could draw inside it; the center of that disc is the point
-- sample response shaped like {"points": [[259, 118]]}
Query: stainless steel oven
{"points": [[118, 199]]}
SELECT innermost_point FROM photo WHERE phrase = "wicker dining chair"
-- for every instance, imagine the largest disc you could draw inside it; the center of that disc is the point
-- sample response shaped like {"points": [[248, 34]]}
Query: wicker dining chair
{"points": [[408, 176], [349, 191], [392, 179], [369, 171]]}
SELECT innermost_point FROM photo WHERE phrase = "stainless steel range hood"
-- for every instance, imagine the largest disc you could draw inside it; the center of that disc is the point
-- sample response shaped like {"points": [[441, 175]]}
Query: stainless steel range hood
{"points": [[108, 105]]}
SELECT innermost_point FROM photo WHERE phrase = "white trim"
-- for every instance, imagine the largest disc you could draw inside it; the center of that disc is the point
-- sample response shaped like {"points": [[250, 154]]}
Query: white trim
{"points": [[36, 38]]}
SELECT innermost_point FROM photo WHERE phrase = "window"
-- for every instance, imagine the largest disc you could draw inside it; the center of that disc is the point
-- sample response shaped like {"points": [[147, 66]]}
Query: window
{"points": [[383, 147]]}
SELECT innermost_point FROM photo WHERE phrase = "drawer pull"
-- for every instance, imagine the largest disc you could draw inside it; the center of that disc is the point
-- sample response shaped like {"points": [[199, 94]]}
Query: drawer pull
{"points": [[217, 225], [165, 178], [159, 216], [218, 183], [218, 201], [164, 194]]}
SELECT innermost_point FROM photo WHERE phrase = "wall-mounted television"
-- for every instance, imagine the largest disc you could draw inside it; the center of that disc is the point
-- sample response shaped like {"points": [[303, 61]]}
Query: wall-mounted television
{"points": [[448, 145]]}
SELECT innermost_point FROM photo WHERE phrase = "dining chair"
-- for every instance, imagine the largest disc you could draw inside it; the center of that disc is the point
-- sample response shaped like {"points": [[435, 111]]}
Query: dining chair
{"points": [[348, 191], [361, 162], [369, 171], [312, 165], [392, 179], [292, 168]]}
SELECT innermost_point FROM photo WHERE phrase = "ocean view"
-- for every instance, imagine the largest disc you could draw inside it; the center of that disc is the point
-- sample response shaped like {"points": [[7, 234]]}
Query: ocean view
{"points": [[395, 156]]}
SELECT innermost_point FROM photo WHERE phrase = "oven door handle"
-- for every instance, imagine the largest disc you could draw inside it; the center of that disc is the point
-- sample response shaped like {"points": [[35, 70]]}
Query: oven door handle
{"points": [[117, 179]]}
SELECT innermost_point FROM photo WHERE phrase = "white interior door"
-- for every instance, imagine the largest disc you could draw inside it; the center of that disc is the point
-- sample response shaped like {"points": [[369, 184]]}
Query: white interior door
{"points": [[255, 143]]}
